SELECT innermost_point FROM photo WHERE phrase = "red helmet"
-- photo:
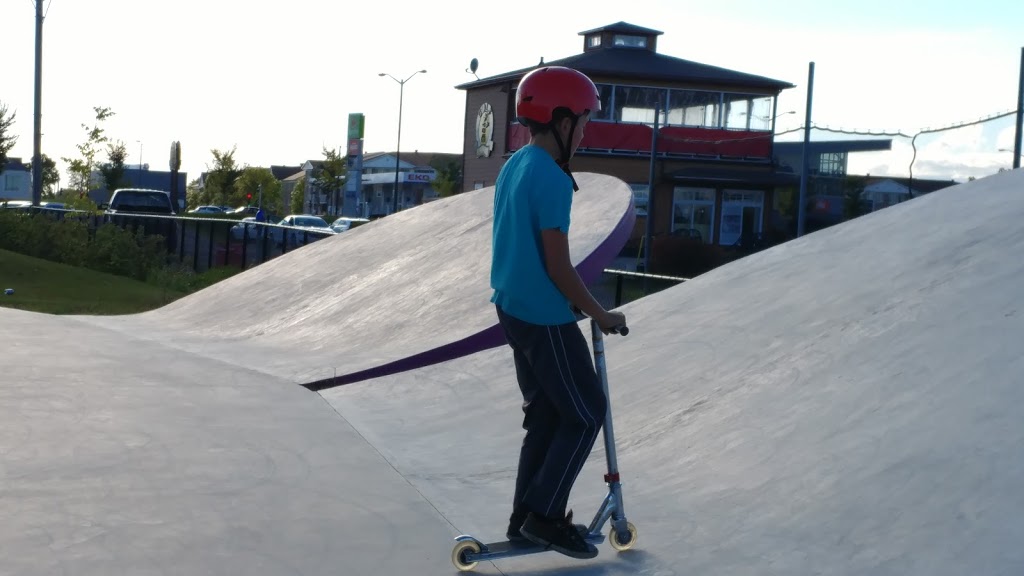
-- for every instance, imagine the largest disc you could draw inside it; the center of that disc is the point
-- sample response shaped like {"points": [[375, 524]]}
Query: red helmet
{"points": [[544, 89]]}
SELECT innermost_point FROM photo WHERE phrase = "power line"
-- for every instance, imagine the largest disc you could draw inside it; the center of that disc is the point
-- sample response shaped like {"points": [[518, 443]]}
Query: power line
{"points": [[922, 131]]}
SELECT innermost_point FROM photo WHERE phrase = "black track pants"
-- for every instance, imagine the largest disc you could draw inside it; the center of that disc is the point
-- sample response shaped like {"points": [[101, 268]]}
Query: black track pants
{"points": [[564, 408]]}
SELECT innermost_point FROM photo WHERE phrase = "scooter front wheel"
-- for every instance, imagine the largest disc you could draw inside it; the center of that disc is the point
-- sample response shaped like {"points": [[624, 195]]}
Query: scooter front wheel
{"points": [[459, 555], [620, 545]]}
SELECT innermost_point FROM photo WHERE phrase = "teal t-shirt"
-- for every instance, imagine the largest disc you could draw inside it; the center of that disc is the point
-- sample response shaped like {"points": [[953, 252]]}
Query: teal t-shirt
{"points": [[531, 194]]}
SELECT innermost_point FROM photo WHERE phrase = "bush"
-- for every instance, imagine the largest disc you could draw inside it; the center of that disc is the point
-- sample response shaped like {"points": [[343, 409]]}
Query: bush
{"points": [[122, 251]]}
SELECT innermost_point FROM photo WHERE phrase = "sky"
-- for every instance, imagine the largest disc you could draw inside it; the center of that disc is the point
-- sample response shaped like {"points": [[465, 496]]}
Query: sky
{"points": [[277, 80]]}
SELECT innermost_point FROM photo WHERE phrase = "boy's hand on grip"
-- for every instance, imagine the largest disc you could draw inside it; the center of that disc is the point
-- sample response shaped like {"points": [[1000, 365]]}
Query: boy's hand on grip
{"points": [[610, 321]]}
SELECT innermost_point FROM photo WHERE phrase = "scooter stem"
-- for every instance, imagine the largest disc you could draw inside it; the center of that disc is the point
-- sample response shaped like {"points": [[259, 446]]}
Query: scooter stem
{"points": [[602, 373]]}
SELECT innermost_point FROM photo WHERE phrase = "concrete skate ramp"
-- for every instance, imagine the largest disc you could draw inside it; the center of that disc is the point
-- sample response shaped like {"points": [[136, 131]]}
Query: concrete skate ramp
{"points": [[118, 456], [848, 403], [404, 291]]}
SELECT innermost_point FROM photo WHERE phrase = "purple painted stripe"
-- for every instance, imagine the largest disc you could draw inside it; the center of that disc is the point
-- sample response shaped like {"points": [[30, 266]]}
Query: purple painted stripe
{"points": [[590, 269]]}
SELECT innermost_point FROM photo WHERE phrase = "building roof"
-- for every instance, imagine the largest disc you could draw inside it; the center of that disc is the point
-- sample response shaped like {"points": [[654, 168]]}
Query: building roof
{"points": [[416, 157], [728, 176], [637, 64], [919, 185], [832, 146], [623, 28], [283, 172]]}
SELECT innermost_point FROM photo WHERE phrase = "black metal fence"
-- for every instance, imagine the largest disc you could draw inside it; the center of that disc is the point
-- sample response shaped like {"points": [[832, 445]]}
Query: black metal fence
{"points": [[206, 242]]}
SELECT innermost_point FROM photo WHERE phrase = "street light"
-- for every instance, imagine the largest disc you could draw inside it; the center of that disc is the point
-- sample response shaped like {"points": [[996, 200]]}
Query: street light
{"points": [[139, 142], [398, 148]]}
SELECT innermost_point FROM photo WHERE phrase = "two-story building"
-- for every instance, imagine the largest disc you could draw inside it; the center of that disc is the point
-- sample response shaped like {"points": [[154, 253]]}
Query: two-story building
{"points": [[713, 172], [416, 174], [15, 180]]}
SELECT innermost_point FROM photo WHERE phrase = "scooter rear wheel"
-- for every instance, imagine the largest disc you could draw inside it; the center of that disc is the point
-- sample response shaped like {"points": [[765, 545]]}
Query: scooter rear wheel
{"points": [[459, 555], [613, 538]]}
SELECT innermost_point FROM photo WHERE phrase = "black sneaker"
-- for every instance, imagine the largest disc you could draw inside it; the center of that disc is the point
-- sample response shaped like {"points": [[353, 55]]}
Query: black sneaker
{"points": [[516, 522], [558, 534]]}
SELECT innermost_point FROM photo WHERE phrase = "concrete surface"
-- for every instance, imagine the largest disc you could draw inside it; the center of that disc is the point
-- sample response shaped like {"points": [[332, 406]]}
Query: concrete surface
{"points": [[392, 289], [847, 403], [118, 456]]}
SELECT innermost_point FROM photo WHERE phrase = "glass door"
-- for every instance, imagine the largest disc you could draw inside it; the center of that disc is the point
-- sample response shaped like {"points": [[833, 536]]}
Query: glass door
{"points": [[742, 214]]}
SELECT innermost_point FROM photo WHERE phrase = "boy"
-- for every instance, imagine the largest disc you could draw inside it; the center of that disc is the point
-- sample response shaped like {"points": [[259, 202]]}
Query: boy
{"points": [[535, 287]]}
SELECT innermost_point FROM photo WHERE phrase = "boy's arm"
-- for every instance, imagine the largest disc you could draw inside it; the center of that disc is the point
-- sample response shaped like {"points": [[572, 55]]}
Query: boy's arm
{"points": [[560, 269]]}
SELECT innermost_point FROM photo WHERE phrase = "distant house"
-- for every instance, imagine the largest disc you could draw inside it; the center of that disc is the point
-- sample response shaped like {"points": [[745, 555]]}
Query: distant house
{"points": [[415, 175], [16, 180], [884, 192]]}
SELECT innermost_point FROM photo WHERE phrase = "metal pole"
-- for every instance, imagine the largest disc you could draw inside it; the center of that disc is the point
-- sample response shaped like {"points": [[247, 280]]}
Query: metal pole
{"points": [[649, 227], [1020, 114], [803, 161], [37, 159], [398, 147]]}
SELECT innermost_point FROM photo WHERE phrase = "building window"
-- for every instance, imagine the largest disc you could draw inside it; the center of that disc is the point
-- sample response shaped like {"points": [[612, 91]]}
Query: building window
{"points": [[637, 103], [630, 41], [694, 209], [747, 111], [593, 40], [690, 108], [694, 108], [641, 195], [607, 92], [742, 215], [832, 164]]}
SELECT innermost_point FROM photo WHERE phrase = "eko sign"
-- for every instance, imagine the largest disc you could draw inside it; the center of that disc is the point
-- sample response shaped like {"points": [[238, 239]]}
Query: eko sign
{"points": [[417, 177]]}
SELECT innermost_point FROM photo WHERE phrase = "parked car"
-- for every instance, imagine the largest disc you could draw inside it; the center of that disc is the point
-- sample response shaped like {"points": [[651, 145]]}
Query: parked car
{"points": [[138, 200], [299, 225], [206, 210], [347, 222], [238, 230]]}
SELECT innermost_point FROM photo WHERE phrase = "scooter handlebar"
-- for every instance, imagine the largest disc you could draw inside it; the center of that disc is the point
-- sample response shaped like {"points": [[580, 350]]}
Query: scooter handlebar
{"points": [[620, 330]]}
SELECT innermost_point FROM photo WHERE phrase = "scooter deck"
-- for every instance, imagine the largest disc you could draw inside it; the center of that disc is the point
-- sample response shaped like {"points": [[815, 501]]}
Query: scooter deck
{"points": [[508, 549]]}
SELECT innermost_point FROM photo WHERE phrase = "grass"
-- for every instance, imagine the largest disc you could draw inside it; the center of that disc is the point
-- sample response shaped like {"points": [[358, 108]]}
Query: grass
{"points": [[44, 286]]}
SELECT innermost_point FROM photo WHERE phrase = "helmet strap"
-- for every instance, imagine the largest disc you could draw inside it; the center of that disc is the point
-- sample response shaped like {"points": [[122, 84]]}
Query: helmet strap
{"points": [[563, 149]]}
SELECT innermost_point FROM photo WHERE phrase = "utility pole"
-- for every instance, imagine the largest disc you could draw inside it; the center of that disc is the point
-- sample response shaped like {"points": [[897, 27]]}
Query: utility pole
{"points": [[803, 160], [649, 223], [37, 159], [1020, 114]]}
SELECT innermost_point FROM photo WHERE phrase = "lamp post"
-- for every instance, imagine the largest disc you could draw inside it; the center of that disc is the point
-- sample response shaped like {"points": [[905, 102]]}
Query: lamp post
{"points": [[139, 181], [398, 147]]}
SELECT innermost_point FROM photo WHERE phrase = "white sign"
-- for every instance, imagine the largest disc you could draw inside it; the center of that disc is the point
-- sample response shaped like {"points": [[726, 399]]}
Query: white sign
{"points": [[484, 131]]}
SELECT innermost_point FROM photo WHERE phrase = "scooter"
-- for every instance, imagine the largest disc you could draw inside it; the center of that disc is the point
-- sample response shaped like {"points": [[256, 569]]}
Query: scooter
{"points": [[469, 551]]}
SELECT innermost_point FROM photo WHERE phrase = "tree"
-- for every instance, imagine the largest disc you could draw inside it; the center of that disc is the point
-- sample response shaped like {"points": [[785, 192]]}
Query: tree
{"points": [[251, 181], [449, 177], [7, 139], [219, 186], [113, 170], [80, 169], [51, 176], [330, 177], [298, 196]]}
